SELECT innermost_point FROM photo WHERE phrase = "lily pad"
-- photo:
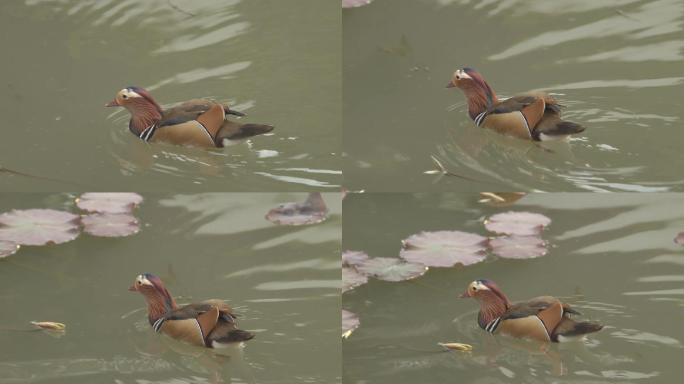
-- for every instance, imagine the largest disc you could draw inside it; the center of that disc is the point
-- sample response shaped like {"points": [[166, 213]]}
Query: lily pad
{"points": [[391, 269], [8, 248], [355, 3], [517, 223], [353, 258], [518, 247], [352, 279], [350, 321], [679, 239], [123, 202], [311, 211], [444, 248], [39, 226], [110, 224]]}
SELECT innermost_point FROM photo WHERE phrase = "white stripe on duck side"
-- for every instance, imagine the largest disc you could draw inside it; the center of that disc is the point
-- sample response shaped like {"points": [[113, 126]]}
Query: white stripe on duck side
{"points": [[491, 327], [146, 134], [479, 118], [157, 324]]}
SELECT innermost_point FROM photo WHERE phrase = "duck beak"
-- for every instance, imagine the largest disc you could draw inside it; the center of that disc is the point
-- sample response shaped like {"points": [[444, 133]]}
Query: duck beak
{"points": [[113, 103], [464, 295], [132, 288], [450, 85]]}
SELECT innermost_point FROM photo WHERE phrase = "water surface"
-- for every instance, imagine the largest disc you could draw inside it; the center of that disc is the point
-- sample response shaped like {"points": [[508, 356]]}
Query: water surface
{"points": [[612, 257], [282, 281], [615, 65], [277, 61]]}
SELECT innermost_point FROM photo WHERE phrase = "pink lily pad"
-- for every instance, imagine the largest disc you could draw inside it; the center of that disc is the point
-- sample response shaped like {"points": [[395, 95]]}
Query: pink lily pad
{"points": [[353, 258], [110, 224], [311, 211], [8, 248], [350, 321], [391, 269], [518, 247], [680, 238], [517, 223], [444, 248], [123, 202], [352, 279], [39, 226], [355, 3]]}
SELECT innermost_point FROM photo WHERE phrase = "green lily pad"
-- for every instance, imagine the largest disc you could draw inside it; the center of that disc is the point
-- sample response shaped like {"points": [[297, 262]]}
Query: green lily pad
{"points": [[311, 211], [391, 269], [110, 224], [517, 223], [444, 248], [350, 321], [123, 202], [39, 226], [8, 248], [351, 279], [518, 247]]}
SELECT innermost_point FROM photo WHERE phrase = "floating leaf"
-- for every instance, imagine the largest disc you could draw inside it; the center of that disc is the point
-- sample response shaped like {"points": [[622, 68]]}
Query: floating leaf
{"points": [[350, 321], [38, 226], [517, 223], [355, 3], [680, 238], [353, 258], [8, 248], [312, 211], [49, 325], [444, 248], [110, 224], [123, 202], [391, 269], [518, 247], [457, 346], [352, 279], [500, 199]]}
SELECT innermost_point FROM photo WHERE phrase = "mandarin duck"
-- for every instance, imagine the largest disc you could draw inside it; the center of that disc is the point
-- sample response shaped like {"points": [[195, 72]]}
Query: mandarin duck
{"points": [[197, 122], [534, 116], [543, 318], [210, 323]]}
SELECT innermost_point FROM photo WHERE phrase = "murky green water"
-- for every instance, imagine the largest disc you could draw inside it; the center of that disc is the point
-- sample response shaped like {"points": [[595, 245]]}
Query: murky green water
{"points": [[615, 65], [611, 256], [284, 281], [278, 61]]}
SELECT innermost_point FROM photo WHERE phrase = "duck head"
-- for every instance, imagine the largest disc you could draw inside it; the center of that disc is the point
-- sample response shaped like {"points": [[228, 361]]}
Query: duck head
{"points": [[493, 302], [479, 94], [159, 300], [143, 108]]}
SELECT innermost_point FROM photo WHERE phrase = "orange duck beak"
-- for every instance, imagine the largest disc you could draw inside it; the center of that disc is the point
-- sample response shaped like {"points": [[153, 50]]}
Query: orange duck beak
{"points": [[464, 295], [113, 103], [132, 288], [451, 84]]}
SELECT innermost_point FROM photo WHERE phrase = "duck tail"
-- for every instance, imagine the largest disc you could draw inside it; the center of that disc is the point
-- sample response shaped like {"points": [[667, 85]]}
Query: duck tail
{"points": [[571, 328]]}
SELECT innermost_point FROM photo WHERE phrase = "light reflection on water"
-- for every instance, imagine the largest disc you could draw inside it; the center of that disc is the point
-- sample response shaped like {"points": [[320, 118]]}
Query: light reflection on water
{"points": [[613, 65], [611, 256], [202, 246]]}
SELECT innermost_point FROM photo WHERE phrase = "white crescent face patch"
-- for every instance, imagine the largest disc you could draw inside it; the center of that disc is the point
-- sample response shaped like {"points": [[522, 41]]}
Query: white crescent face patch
{"points": [[461, 74], [128, 93]]}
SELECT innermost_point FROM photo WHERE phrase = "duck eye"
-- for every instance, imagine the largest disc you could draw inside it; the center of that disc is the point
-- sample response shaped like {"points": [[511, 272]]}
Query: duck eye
{"points": [[474, 288], [125, 96], [458, 77]]}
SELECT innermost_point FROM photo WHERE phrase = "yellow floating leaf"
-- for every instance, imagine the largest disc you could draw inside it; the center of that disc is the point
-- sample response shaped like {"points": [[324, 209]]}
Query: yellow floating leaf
{"points": [[51, 325], [457, 346]]}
